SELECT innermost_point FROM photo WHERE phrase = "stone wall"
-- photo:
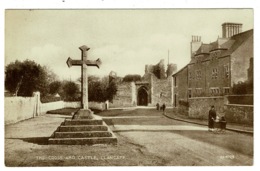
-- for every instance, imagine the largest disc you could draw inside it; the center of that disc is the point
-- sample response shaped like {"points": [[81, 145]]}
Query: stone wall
{"points": [[96, 105], [44, 107], [180, 84], [92, 105], [20, 108], [162, 91], [234, 113], [73, 104], [243, 114], [123, 97], [200, 106]]}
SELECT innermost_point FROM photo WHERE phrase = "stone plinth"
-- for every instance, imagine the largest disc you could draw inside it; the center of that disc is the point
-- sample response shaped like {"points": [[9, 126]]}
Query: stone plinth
{"points": [[83, 114]]}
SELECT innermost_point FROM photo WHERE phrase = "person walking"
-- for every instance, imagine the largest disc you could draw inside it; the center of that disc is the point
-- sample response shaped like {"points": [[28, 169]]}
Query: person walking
{"points": [[163, 108], [212, 117], [157, 106]]}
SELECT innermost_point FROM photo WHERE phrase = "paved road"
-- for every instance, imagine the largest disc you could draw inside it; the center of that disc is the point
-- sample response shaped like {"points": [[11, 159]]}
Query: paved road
{"points": [[142, 141]]}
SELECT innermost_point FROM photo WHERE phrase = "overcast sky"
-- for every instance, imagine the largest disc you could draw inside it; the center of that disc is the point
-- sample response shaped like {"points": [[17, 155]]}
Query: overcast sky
{"points": [[125, 40]]}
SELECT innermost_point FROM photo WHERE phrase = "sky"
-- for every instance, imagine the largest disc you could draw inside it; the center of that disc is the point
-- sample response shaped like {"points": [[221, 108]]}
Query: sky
{"points": [[124, 40]]}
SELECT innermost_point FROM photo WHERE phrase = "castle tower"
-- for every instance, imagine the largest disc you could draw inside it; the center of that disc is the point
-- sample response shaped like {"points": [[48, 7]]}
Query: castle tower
{"points": [[171, 69], [231, 29]]}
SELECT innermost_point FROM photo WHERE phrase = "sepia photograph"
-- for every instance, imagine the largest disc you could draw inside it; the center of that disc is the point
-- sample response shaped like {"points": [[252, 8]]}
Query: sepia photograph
{"points": [[129, 87]]}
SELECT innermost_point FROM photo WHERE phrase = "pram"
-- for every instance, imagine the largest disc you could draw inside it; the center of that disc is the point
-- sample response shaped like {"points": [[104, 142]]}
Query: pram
{"points": [[220, 126]]}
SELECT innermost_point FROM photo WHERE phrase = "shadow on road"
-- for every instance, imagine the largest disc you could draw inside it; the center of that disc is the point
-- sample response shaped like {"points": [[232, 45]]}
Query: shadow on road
{"points": [[34, 140]]}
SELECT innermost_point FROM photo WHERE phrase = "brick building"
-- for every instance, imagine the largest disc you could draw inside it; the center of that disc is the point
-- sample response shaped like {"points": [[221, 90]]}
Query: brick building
{"points": [[215, 67], [155, 87]]}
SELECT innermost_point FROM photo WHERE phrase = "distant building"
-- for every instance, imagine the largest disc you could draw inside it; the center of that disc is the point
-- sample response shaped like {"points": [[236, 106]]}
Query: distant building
{"points": [[155, 87], [215, 67]]}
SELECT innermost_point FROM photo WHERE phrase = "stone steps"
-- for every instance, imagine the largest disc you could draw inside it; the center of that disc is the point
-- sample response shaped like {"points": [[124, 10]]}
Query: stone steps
{"points": [[78, 128], [85, 134], [83, 141], [83, 122]]}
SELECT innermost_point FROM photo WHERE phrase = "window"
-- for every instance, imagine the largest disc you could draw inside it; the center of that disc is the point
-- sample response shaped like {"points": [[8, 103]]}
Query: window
{"points": [[175, 83], [214, 73], [226, 90], [214, 91], [226, 71], [198, 74]]}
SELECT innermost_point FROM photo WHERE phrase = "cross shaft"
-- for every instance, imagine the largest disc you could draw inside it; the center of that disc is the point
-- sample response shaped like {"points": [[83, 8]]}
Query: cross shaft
{"points": [[84, 62]]}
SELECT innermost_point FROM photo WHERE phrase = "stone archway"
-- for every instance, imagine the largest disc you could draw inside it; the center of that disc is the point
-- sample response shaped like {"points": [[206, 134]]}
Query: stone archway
{"points": [[142, 97]]}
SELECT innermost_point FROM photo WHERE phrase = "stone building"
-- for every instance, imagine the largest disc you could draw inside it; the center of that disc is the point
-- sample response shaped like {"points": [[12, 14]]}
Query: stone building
{"points": [[154, 87], [215, 67]]}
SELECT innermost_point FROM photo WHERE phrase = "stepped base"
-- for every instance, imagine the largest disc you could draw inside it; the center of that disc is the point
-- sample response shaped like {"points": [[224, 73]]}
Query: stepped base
{"points": [[79, 128], [82, 131], [83, 122], [83, 141], [84, 134]]}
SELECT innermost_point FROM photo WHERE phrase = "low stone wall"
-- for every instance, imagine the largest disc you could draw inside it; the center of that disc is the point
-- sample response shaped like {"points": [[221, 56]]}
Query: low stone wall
{"points": [[92, 105], [119, 104], [200, 106], [44, 107], [234, 113], [243, 114], [72, 104], [98, 106], [183, 110]]}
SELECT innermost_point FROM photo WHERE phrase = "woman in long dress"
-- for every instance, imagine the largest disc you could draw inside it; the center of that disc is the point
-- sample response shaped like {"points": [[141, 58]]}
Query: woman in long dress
{"points": [[212, 117]]}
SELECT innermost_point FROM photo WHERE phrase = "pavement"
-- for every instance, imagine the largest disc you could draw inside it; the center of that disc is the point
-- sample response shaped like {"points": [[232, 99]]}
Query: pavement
{"points": [[230, 126], [123, 128]]}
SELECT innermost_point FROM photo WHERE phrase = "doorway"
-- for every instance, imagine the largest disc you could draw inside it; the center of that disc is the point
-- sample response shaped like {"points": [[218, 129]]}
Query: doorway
{"points": [[142, 97]]}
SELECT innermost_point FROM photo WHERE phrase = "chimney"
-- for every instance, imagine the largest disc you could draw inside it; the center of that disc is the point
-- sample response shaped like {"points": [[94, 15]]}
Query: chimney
{"points": [[231, 29], [195, 44]]}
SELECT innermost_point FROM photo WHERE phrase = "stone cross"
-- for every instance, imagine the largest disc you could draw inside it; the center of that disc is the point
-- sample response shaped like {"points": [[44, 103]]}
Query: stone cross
{"points": [[84, 62]]}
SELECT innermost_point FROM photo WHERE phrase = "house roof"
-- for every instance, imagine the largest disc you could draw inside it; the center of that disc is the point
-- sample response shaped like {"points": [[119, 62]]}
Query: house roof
{"points": [[204, 48], [180, 70], [227, 45], [237, 40]]}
